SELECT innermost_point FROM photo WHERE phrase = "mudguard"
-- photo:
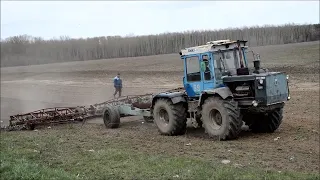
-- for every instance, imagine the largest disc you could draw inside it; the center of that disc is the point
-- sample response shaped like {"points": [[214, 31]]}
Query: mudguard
{"points": [[175, 97], [223, 92]]}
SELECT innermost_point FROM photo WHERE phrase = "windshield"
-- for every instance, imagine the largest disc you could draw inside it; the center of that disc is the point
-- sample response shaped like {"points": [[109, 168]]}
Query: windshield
{"points": [[227, 61]]}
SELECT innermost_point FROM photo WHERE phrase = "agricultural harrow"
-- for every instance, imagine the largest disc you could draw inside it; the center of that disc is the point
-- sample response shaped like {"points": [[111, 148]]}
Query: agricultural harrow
{"points": [[131, 105]]}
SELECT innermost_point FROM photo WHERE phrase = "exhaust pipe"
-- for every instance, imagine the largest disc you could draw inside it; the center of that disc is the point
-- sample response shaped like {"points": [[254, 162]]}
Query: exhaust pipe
{"points": [[256, 63]]}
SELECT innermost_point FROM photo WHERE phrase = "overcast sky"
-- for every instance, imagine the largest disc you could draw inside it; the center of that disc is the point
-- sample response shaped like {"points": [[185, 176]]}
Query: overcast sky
{"points": [[76, 19]]}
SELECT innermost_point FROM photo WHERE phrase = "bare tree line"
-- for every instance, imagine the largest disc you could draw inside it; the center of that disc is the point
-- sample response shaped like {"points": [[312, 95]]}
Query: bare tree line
{"points": [[27, 50]]}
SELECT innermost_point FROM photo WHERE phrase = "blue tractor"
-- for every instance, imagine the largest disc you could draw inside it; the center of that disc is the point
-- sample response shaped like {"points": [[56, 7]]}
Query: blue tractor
{"points": [[221, 92]]}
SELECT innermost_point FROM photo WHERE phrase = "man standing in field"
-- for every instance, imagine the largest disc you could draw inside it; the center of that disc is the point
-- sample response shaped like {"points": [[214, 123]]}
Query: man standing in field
{"points": [[117, 83]]}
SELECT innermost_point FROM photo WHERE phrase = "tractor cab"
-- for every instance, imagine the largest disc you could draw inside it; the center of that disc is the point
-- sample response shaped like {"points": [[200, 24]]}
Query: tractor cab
{"points": [[204, 66]]}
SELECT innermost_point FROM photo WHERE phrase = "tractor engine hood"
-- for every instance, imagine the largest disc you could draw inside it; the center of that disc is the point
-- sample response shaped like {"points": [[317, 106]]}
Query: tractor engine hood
{"points": [[252, 77], [265, 88]]}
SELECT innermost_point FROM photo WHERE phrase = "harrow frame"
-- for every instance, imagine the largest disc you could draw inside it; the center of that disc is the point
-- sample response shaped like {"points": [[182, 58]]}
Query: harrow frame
{"points": [[131, 105]]}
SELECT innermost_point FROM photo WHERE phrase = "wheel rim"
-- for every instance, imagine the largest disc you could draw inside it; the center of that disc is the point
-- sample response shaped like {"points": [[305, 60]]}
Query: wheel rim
{"points": [[164, 116], [216, 118]]}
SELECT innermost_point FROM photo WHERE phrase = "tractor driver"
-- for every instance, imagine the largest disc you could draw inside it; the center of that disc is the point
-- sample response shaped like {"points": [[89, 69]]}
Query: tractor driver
{"points": [[207, 71], [205, 60]]}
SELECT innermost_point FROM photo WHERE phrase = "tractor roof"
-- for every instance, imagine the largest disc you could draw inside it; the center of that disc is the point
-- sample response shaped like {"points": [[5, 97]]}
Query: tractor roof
{"points": [[213, 46]]}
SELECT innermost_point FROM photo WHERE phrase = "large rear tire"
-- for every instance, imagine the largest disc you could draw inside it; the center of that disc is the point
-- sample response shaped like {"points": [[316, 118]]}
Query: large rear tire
{"points": [[171, 119], [111, 117], [221, 118], [264, 122]]}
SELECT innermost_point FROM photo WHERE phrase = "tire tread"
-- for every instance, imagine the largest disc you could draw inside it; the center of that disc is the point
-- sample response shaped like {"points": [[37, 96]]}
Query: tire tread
{"points": [[114, 117], [235, 122], [179, 119], [266, 123]]}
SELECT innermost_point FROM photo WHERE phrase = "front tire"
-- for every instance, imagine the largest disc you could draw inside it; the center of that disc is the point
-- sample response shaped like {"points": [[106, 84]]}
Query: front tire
{"points": [[111, 117], [171, 119], [265, 122], [221, 118]]}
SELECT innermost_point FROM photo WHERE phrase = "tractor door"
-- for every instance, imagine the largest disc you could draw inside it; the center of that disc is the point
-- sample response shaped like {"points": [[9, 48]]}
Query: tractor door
{"points": [[207, 72], [192, 80]]}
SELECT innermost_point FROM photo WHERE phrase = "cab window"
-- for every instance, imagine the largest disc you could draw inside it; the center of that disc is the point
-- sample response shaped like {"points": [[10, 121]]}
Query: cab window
{"points": [[193, 69]]}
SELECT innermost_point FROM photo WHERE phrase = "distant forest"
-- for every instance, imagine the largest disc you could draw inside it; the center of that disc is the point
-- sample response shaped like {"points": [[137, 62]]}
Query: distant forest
{"points": [[27, 50]]}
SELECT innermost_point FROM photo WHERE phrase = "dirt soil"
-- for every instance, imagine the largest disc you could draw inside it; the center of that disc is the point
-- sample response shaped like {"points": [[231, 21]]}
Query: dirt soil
{"points": [[30, 88]]}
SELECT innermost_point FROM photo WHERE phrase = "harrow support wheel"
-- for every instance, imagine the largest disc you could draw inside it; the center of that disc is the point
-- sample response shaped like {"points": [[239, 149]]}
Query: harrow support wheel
{"points": [[171, 119], [111, 117], [221, 118]]}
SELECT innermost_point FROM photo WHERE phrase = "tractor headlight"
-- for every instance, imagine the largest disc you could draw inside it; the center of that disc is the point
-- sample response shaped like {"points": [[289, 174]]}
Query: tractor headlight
{"points": [[261, 81], [255, 103], [260, 84]]}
